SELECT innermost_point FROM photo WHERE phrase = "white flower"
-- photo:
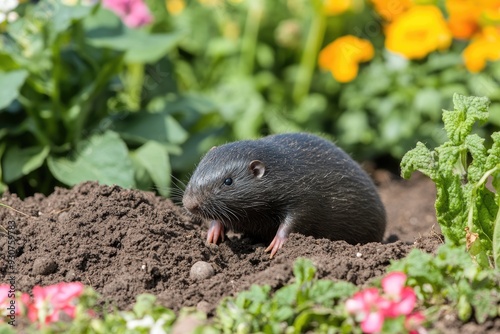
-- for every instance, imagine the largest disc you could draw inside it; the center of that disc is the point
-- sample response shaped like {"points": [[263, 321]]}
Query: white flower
{"points": [[12, 16], [8, 5], [146, 322], [5, 7]]}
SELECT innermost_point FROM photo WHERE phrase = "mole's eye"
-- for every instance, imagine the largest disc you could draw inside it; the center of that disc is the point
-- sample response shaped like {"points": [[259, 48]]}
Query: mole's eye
{"points": [[228, 181]]}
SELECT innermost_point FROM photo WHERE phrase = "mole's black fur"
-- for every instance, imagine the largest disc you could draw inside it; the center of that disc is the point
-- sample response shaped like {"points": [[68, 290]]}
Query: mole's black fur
{"points": [[297, 179]]}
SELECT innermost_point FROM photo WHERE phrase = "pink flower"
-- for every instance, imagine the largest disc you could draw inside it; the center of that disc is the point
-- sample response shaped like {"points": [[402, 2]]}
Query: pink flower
{"points": [[401, 299], [413, 323], [7, 295], [365, 304], [134, 13], [372, 308], [50, 301]]}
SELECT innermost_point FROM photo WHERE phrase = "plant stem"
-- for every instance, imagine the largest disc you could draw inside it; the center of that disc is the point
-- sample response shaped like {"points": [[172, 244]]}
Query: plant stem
{"points": [[308, 61], [133, 88], [9, 207], [249, 41]]}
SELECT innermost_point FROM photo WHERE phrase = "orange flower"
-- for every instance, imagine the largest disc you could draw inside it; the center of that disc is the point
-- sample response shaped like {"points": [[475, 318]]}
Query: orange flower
{"points": [[463, 17], [485, 47], [335, 7], [391, 9], [342, 56], [466, 16], [419, 31]]}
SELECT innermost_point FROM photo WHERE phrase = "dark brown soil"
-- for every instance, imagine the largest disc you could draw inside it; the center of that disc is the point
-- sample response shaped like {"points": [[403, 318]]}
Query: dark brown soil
{"points": [[126, 242]]}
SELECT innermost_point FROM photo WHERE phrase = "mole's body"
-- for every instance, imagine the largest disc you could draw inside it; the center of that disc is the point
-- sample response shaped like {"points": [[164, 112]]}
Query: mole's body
{"points": [[297, 182]]}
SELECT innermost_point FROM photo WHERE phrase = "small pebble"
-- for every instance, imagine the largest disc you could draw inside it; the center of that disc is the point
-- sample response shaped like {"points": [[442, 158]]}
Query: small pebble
{"points": [[71, 276], [63, 217], [201, 270], [44, 266], [358, 254], [203, 306]]}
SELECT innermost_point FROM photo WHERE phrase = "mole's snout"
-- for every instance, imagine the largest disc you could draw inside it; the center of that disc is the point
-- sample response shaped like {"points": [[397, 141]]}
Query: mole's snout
{"points": [[190, 203]]}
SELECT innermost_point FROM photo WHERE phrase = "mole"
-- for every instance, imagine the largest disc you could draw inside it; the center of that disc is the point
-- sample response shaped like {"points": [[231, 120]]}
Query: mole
{"points": [[282, 184]]}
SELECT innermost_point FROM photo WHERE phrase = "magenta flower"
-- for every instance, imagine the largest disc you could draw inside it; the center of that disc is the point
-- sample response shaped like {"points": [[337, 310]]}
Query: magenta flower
{"points": [[50, 301], [134, 13]]}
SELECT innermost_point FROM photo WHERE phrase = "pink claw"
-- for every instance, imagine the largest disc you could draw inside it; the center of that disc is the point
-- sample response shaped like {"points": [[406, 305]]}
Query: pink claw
{"points": [[215, 231], [278, 240]]}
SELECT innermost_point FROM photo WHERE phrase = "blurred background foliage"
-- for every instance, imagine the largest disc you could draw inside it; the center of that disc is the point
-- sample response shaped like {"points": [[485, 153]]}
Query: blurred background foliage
{"points": [[133, 93]]}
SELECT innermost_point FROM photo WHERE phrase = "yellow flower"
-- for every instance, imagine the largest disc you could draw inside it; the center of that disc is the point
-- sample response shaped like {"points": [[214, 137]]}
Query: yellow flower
{"points": [[175, 7], [418, 32], [342, 56], [391, 9], [492, 13], [335, 7], [485, 47]]}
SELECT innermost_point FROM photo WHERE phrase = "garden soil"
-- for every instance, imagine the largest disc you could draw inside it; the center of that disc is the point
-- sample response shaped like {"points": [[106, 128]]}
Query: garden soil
{"points": [[126, 242]]}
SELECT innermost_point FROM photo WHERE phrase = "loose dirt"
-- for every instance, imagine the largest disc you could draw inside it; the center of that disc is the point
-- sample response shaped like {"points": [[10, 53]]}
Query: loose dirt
{"points": [[126, 242]]}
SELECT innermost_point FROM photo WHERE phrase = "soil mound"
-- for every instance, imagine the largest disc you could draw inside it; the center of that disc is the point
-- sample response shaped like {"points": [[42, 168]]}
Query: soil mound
{"points": [[126, 242]]}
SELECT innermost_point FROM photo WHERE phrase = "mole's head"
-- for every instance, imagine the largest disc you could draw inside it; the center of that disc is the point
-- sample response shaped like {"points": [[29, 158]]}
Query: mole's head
{"points": [[226, 183]]}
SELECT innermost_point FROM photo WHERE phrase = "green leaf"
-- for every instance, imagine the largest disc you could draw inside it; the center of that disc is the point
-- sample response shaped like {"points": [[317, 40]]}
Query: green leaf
{"points": [[18, 162], [468, 110], [154, 158], [462, 198], [303, 270], [475, 145], [105, 31], [144, 126], [494, 154], [103, 158], [10, 85], [65, 15], [496, 234], [145, 303], [464, 308], [420, 158]]}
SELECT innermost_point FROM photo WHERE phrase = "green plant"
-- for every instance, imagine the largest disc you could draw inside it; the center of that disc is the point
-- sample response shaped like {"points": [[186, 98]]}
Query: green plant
{"points": [[305, 305], [450, 281], [261, 74], [467, 210], [85, 97]]}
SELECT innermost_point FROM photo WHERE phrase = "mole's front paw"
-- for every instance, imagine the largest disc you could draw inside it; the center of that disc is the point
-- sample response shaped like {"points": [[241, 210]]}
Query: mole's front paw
{"points": [[215, 231], [279, 239]]}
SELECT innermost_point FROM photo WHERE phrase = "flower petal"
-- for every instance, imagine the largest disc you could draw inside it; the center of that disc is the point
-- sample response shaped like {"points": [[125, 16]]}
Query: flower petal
{"points": [[393, 283], [373, 322], [342, 56]]}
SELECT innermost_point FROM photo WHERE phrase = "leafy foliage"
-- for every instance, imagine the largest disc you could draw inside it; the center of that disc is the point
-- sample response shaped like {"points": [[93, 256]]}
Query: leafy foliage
{"points": [[451, 281], [305, 305], [467, 210], [203, 76], [446, 282], [81, 99]]}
